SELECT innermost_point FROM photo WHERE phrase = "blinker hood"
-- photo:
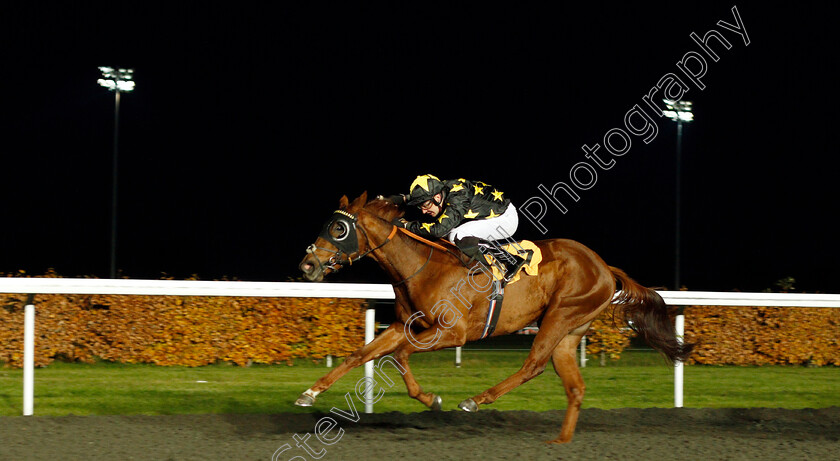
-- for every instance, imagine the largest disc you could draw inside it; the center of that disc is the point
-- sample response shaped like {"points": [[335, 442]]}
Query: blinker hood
{"points": [[345, 236]]}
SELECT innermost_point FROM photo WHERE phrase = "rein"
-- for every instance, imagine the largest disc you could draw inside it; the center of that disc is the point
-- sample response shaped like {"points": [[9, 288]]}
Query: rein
{"points": [[431, 251], [433, 245]]}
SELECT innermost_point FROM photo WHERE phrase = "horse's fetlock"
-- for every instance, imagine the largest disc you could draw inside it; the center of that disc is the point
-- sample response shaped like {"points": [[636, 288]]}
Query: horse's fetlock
{"points": [[575, 396]]}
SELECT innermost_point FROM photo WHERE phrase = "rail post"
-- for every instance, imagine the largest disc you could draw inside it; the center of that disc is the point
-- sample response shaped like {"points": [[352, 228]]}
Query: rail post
{"points": [[370, 327], [679, 324], [29, 356], [583, 352]]}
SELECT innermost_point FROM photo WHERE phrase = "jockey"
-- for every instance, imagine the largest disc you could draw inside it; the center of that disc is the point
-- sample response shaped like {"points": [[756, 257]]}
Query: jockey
{"points": [[471, 214]]}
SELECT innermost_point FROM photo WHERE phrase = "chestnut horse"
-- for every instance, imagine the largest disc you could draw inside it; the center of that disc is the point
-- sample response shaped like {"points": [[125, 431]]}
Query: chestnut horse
{"points": [[441, 303]]}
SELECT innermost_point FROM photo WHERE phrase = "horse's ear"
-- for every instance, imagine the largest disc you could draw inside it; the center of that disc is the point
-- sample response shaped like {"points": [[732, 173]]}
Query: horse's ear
{"points": [[344, 202], [360, 201]]}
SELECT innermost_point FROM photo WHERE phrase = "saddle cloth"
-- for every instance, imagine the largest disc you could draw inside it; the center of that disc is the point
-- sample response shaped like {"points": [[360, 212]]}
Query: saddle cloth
{"points": [[520, 249]]}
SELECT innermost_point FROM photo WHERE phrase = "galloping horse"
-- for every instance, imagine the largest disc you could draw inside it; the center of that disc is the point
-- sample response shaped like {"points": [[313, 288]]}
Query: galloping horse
{"points": [[442, 302]]}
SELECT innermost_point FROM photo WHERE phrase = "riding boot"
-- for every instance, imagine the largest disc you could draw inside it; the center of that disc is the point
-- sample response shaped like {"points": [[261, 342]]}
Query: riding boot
{"points": [[510, 262], [469, 246]]}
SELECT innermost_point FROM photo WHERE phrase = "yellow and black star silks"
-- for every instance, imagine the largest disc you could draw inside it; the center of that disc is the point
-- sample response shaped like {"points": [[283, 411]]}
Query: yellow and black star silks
{"points": [[463, 200]]}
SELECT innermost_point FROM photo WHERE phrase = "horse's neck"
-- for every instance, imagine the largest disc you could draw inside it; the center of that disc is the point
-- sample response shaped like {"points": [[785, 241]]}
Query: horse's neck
{"points": [[400, 258]]}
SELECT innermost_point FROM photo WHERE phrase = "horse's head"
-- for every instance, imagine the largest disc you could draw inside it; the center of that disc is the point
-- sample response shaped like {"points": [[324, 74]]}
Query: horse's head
{"points": [[340, 243]]}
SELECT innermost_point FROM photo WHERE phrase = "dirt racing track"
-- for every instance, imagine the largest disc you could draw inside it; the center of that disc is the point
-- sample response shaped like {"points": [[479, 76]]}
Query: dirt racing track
{"points": [[624, 434]]}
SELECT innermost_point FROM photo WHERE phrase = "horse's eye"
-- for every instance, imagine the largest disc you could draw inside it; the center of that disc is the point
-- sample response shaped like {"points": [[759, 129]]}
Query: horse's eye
{"points": [[339, 230]]}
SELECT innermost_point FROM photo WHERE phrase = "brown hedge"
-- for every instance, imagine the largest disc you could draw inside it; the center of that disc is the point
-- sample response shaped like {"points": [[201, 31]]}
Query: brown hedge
{"points": [[764, 335], [190, 331]]}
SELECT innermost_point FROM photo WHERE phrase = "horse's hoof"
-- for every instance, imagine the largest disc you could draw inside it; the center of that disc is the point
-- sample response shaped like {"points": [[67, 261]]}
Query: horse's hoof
{"points": [[305, 400], [437, 404], [468, 405], [557, 441]]}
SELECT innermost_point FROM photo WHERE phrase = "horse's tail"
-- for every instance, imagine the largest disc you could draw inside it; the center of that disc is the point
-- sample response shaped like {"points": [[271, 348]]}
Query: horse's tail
{"points": [[643, 310]]}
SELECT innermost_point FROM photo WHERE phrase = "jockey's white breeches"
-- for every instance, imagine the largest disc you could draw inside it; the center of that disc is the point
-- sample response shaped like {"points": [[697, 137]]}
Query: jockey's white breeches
{"points": [[499, 228]]}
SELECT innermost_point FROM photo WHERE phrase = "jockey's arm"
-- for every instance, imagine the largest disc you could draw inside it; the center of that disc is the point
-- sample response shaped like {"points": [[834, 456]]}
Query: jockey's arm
{"points": [[450, 217]]}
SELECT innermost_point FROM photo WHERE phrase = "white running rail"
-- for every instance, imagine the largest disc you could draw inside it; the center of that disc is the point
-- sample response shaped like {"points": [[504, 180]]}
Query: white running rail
{"points": [[34, 286]]}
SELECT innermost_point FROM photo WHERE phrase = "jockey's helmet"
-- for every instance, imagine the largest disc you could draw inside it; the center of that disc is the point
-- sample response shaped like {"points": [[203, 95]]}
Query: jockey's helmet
{"points": [[424, 188]]}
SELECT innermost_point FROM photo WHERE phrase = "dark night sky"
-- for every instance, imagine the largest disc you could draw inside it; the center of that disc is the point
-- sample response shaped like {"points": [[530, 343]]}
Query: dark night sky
{"points": [[250, 121]]}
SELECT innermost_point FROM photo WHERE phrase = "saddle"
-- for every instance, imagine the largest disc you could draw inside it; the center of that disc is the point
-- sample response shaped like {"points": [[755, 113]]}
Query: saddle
{"points": [[525, 249]]}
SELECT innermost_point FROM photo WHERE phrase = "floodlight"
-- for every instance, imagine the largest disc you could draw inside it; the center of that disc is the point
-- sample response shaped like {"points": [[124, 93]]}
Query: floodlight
{"points": [[120, 80], [110, 84], [124, 85], [678, 111]]}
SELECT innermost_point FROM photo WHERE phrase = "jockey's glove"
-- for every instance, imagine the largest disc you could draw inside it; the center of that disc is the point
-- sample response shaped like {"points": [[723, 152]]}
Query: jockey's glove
{"points": [[396, 199]]}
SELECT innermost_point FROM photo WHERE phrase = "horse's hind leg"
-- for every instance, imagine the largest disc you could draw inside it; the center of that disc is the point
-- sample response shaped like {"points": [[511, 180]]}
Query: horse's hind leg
{"points": [[566, 367], [554, 328]]}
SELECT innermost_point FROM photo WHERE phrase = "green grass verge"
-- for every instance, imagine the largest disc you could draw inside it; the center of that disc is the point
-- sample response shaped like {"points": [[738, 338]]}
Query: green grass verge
{"points": [[639, 380]]}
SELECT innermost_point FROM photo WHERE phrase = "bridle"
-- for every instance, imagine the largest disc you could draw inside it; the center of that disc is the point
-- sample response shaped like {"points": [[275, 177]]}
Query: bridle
{"points": [[346, 242]]}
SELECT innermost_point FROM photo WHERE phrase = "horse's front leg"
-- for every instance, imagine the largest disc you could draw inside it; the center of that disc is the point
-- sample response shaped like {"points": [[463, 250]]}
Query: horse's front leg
{"points": [[382, 345]]}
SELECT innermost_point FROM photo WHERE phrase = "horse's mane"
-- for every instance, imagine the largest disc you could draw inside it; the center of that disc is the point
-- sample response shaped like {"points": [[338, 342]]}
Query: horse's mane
{"points": [[384, 209]]}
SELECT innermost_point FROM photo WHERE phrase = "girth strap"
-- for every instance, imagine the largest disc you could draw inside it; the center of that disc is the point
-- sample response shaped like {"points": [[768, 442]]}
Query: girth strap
{"points": [[495, 309]]}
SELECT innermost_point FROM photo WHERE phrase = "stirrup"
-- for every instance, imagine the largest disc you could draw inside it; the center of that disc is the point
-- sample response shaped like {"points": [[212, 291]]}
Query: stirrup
{"points": [[520, 262], [512, 271]]}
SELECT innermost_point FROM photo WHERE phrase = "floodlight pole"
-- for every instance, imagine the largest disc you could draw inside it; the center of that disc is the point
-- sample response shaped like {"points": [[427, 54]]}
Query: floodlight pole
{"points": [[113, 266], [678, 206], [118, 81], [678, 111]]}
